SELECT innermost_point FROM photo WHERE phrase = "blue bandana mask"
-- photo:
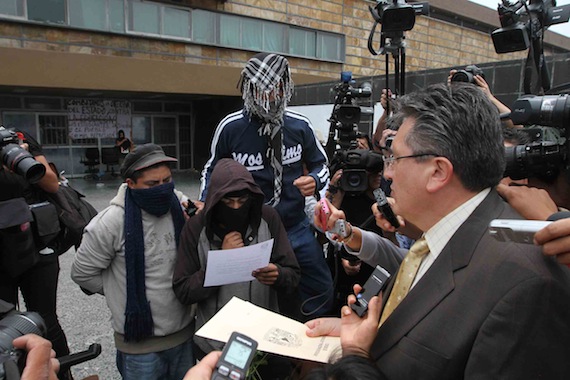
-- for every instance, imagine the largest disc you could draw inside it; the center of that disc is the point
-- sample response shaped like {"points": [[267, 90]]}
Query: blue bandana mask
{"points": [[154, 200]]}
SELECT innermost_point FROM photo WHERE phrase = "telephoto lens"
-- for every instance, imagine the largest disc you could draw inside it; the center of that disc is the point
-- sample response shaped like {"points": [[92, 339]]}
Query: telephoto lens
{"points": [[14, 325]]}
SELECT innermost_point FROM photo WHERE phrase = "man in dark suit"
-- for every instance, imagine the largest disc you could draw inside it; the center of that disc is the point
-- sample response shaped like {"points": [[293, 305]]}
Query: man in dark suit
{"points": [[477, 308]]}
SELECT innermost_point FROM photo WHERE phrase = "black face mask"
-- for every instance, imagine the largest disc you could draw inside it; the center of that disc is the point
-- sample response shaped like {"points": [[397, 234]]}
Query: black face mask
{"points": [[154, 200], [226, 219]]}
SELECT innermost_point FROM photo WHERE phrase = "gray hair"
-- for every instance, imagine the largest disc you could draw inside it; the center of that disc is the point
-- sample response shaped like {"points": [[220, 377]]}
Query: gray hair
{"points": [[458, 122]]}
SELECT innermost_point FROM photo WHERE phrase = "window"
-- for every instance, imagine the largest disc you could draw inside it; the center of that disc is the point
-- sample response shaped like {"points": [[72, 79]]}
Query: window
{"points": [[53, 129], [273, 36], [144, 17], [164, 130], [90, 14], [51, 11], [116, 16], [203, 26], [230, 31], [252, 38], [176, 22], [302, 42], [12, 7], [141, 129], [330, 47]]}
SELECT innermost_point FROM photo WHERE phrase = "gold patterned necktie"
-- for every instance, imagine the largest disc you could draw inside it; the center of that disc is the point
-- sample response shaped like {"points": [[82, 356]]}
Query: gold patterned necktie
{"points": [[405, 277]]}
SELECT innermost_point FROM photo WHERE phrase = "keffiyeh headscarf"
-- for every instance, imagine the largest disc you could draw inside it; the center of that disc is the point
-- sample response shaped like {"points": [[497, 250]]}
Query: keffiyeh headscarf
{"points": [[266, 88]]}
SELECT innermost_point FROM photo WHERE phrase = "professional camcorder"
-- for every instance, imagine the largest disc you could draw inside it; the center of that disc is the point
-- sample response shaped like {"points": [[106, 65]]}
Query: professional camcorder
{"points": [[549, 150], [522, 22], [355, 164], [14, 324], [467, 75], [346, 113], [17, 159], [344, 121], [397, 15]]}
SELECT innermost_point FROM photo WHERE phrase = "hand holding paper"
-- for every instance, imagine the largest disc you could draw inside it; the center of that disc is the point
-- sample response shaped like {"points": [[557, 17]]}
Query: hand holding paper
{"points": [[229, 266], [275, 333]]}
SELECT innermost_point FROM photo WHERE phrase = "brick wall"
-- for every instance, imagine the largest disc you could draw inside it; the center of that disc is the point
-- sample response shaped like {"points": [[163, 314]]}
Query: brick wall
{"points": [[431, 44]]}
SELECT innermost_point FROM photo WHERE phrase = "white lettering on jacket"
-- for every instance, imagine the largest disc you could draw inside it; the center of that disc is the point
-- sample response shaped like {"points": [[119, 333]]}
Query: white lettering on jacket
{"points": [[254, 161]]}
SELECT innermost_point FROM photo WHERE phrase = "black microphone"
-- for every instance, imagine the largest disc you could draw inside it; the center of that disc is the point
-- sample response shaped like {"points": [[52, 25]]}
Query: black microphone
{"points": [[384, 207]]}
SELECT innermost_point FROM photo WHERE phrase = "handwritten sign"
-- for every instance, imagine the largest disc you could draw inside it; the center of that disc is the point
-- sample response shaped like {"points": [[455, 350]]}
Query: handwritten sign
{"points": [[92, 118]]}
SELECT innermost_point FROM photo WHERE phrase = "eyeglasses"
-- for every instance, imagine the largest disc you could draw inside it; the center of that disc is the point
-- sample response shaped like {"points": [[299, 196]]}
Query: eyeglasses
{"points": [[391, 160]]}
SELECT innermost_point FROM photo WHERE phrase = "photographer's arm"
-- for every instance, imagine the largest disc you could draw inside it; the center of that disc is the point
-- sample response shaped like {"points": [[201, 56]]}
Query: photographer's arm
{"points": [[381, 124], [334, 192], [49, 181], [531, 202], [482, 83]]}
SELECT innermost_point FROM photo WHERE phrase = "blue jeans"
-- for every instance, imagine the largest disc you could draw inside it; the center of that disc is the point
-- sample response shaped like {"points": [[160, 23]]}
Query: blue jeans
{"points": [[316, 285], [171, 364]]}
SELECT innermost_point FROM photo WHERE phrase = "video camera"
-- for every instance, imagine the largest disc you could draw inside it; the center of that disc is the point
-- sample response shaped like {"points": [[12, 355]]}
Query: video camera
{"points": [[346, 113], [344, 120], [14, 324], [17, 159], [549, 150], [521, 23]]}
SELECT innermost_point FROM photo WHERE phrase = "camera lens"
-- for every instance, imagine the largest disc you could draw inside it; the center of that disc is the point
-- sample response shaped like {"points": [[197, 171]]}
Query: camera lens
{"points": [[462, 76], [21, 161], [17, 324]]}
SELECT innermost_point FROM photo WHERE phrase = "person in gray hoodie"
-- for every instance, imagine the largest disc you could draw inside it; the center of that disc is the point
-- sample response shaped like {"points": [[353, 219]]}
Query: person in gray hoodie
{"points": [[127, 254], [234, 216]]}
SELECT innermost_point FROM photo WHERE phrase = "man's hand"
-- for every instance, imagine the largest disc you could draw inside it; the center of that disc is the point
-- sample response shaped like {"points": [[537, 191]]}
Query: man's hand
{"points": [[351, 268], [204, 369], [199, 205], [555, 240], [41, 363], [306, 185], [333, 215], [531, 202], [232, 240], [357, 334], [382, 222], [267, 275], [323, 327], [385, 98]]}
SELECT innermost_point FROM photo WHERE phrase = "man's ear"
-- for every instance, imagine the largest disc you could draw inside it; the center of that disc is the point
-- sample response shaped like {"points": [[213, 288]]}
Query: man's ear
{"points": [[441, 174], [130, 183]]}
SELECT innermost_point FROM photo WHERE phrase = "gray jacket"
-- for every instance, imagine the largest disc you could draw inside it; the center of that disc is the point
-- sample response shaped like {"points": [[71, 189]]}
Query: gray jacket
{"points": [[99, 266]]}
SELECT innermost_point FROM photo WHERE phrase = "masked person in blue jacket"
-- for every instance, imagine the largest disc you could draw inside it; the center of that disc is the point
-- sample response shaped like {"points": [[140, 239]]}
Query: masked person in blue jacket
{"points": [[273, 143]]}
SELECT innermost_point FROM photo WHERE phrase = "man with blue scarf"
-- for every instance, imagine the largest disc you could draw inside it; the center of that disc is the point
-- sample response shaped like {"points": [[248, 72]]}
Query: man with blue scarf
{"points": [[127, 254]]}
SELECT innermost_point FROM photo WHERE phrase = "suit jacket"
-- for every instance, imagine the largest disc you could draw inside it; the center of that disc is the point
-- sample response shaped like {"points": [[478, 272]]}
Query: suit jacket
{"points": [[484, 310]]}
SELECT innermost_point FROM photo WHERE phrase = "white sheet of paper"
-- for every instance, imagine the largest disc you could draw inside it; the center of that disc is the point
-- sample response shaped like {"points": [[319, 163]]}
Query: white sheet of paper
{"points": [[273, 332], [230, 266]]}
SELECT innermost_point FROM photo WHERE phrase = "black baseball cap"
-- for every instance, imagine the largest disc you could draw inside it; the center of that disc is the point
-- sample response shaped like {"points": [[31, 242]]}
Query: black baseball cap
{"points": [[142, 157]]}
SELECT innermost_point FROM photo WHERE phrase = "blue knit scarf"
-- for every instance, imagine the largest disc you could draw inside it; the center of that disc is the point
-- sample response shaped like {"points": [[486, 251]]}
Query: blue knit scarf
{"points": [[156, 201]]}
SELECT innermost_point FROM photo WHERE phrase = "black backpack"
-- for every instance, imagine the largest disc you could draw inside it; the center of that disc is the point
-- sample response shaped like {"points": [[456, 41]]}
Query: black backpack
{"points": [[74, 213]]}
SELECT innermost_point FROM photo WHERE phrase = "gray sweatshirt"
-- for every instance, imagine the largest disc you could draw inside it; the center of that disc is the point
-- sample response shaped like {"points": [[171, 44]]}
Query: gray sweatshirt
{"points": [[99, 266]]}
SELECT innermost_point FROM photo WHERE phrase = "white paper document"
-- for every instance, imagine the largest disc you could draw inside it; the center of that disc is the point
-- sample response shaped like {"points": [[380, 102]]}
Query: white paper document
{"points": [[273, 332], [230, 266]]}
